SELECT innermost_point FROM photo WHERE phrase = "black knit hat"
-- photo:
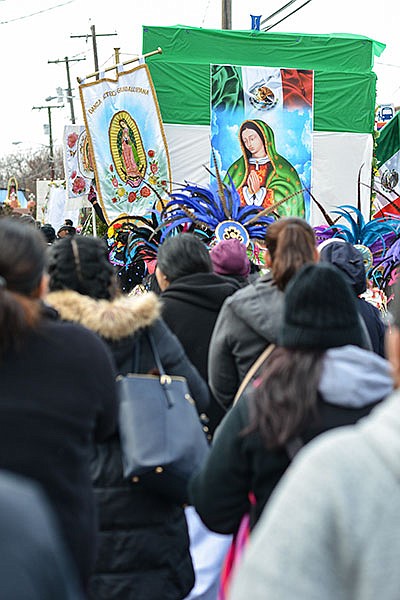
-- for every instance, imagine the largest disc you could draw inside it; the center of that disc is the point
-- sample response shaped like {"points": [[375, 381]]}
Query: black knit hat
{"points": [[320, 310]]}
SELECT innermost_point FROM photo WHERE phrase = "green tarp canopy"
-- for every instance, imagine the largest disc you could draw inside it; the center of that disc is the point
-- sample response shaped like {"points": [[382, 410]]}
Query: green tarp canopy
{"points": [[344, 83]]}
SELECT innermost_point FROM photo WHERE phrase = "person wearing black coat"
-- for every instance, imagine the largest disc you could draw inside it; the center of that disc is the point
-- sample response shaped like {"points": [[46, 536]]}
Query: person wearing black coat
{"points": [[57, 393], [144, 544], [192, 296]]}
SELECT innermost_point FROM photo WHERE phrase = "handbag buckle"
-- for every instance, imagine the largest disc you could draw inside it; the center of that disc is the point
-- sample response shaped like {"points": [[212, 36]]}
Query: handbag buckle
{"points": [[165, 380]]}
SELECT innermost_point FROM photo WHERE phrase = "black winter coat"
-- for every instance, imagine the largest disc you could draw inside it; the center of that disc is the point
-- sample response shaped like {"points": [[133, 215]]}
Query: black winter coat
{"points": [[57, 394], [144, 543], [191, 306], [239, 464]]}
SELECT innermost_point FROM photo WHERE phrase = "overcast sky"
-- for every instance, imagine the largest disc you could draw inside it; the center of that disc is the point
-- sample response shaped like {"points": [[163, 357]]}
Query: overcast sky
{"points": [[28, 42]]}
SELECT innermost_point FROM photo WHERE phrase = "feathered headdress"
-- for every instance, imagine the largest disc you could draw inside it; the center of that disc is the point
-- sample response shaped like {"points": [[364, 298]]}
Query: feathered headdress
{"points": [[220, 214], [217, 210], [372, 238]]}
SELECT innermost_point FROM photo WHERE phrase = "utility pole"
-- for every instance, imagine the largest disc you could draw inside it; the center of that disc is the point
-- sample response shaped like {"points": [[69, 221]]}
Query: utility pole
{"points": [[51, 149], [226, 14], [69, 89], [94, 36]]}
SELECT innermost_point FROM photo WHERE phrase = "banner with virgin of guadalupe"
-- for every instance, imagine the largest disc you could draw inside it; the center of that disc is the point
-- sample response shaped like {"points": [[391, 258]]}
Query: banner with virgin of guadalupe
{"points": [[127, 142], [261, 134], [79, 174]]}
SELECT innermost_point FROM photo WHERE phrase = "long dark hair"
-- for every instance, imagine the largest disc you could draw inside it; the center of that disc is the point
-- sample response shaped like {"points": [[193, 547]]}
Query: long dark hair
{"points": [[22, 264], [284, 396], [291, 244]]}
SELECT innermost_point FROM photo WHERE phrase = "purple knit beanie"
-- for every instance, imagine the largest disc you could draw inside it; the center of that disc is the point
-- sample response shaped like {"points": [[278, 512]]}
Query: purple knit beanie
{"points": [[229, 257]]}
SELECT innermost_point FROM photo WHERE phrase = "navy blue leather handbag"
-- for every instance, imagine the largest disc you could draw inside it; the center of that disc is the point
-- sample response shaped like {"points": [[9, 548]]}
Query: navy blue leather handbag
{"points": [[162, 440]]}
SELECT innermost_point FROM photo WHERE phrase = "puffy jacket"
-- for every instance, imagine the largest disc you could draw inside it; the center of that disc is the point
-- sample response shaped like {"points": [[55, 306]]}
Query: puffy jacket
{"points": [[144, 544]]}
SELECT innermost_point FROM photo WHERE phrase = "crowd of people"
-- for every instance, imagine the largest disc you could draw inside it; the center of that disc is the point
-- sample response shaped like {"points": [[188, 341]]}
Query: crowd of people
{"points": [[298, 495]]}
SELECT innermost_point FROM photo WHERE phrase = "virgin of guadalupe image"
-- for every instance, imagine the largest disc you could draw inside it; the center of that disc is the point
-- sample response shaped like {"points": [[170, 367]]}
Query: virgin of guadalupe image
{"points": [[261, 175], [127, 149]]}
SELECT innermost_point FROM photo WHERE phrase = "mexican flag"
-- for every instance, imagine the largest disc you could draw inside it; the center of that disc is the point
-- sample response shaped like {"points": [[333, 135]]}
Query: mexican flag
{"points": [[343, 103], [387, 181]]}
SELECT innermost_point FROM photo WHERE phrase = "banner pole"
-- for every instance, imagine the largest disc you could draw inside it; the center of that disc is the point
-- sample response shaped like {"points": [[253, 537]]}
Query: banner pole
{"points": [[116, 55], [128, 62], [94, 222]]}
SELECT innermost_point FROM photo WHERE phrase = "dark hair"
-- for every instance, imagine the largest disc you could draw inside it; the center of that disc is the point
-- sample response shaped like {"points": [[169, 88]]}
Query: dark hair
{"points": [[80, 263], [182, 255], [68, 222], [291, 244], [22, 264], [70, 230], [254, 127], [285, 395], [48, 232], [25, 219], [350, 262]]}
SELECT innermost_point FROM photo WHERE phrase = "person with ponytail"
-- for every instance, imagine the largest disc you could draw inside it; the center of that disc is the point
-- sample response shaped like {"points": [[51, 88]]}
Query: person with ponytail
{"points": [[57, 392], [250, 319], [319, 377], [143, 539]]}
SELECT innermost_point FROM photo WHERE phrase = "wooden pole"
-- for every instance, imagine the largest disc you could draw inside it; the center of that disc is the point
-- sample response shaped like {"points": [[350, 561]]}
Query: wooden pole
{"points": [[95, 56], [226, 14], [128, 62], [116, 58]]}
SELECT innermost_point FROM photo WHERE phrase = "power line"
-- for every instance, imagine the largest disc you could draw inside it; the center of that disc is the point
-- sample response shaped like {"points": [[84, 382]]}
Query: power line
{"points": [[205, 13], [287, 16], [277, 11], [67, 60], [51, 148], [94, 37], [39, 12], [382, 64]]}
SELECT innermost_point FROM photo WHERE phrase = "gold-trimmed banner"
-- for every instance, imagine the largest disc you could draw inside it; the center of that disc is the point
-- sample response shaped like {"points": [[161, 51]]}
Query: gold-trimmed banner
{"points": [[127, 142]]}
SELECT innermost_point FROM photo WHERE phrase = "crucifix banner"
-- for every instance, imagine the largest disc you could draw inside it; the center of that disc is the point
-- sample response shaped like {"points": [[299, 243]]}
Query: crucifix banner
{"points": [[127, 142]]}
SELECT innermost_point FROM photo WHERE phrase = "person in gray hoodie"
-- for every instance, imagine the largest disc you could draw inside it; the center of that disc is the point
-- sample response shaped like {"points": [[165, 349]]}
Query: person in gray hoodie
{"points": [[319, 378], [250, 319], [331, 528]]}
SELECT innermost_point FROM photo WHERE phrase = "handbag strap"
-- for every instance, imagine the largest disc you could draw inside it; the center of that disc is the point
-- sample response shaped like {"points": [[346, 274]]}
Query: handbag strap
{"points": [[155, 352], [136, 351], [252, 371], [137, 345]]}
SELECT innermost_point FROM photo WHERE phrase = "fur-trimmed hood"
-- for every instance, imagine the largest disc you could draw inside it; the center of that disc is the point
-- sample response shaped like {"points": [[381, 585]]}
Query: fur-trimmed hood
{"points": [[111, 319]]}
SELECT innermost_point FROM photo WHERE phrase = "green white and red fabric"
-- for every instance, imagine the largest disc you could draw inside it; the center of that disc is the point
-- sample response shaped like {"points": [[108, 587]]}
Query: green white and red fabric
{"points": [[387, 181], [343, 101]]}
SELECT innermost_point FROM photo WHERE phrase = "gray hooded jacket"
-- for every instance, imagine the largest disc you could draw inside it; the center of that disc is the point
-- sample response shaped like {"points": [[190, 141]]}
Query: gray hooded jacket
{"points": [[331, 529], [248, 322]]}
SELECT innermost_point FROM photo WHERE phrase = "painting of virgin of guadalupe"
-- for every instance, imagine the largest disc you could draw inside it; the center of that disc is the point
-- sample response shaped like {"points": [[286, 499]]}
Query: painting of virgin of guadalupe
{"points": [[127, 149], [261, 175]]}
